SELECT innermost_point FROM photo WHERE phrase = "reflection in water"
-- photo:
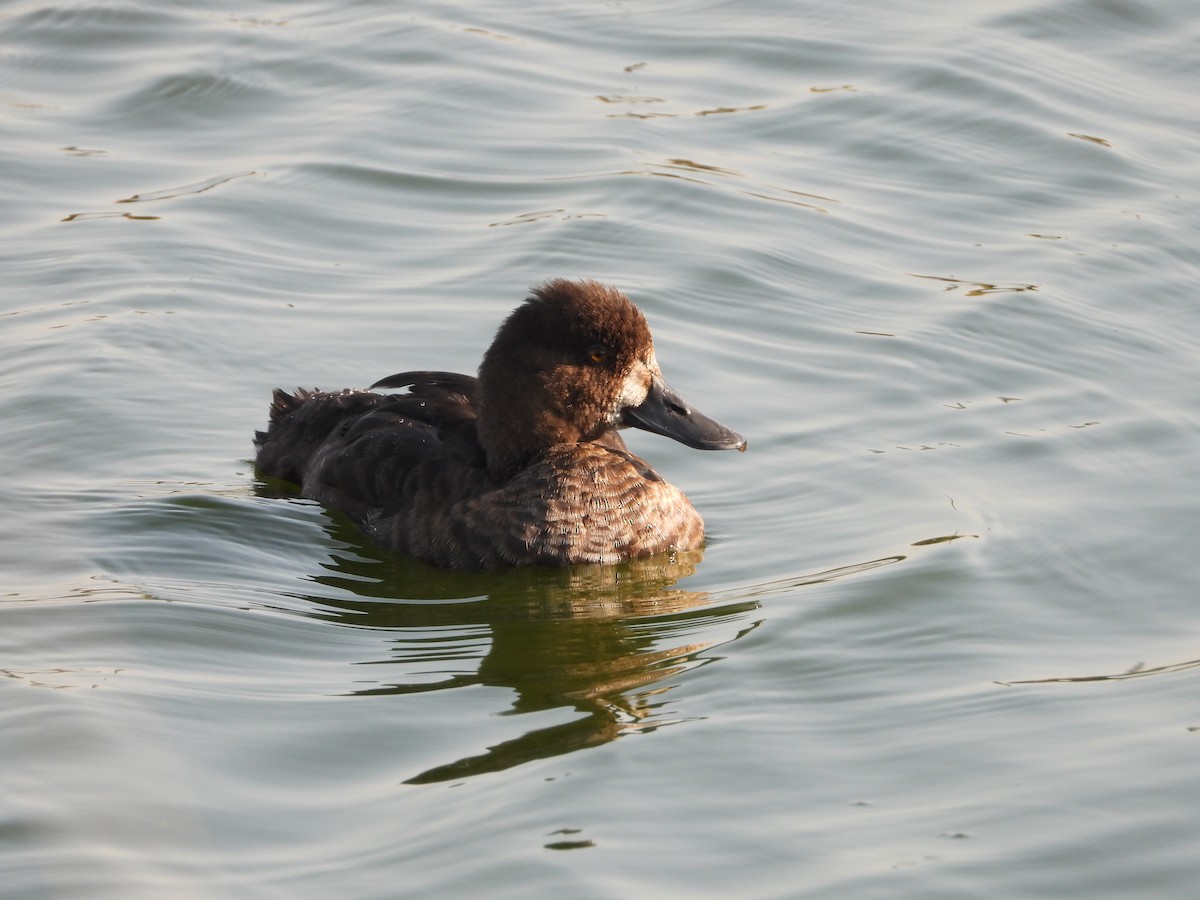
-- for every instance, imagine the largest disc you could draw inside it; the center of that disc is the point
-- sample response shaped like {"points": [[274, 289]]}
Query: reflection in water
{"points": [[595, 639], [598, 640]]}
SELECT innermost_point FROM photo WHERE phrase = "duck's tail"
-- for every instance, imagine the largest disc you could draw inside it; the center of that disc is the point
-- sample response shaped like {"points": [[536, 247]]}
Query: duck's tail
{"points": [[300, 423]]}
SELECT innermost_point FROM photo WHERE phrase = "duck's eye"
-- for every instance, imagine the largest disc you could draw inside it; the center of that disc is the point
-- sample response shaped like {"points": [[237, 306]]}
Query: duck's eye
{"points": [[597, 353]]}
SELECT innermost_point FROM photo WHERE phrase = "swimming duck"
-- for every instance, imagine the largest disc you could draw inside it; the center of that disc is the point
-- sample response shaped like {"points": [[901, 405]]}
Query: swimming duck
{"points": [[520, 466]]}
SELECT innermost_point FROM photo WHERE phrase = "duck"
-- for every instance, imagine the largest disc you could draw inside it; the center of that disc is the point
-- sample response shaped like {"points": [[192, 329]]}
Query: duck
{"points": [[523, 465]]}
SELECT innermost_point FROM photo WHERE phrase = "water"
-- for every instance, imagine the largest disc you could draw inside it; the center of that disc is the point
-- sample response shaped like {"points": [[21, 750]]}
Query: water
{"points": [[936, 262]]}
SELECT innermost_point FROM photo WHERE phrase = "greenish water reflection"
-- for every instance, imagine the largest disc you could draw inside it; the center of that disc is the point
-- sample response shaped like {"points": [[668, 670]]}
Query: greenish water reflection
{"points": [[599, 640]]}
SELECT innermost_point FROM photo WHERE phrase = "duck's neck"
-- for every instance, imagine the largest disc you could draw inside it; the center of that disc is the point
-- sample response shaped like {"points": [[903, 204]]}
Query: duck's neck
{"points": [[511, 442], [521, 407]]}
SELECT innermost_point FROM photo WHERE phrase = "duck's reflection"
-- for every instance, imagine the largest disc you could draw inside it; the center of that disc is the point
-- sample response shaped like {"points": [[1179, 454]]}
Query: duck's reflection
{"points": [[597, 640]]}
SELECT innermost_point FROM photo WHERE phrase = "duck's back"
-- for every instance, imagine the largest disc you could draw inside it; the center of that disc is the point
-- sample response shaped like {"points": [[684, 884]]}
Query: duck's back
{"points": [[354, 449]]}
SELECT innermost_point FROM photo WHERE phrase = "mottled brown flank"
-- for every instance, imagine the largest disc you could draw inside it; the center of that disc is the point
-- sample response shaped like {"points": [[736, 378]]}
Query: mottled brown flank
{"points": [[578, 503], [516, 468]]}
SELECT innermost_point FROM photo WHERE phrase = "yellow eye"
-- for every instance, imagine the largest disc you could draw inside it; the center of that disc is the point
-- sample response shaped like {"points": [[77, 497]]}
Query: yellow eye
{"points": [[598, 353]]}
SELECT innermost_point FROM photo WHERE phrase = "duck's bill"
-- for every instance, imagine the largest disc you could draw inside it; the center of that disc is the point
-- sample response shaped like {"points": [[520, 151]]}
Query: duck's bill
{"points": [[665, 412]]}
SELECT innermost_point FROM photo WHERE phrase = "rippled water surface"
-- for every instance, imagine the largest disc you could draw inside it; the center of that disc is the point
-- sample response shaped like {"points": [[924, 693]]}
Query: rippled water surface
{"points": [[937, 261]]}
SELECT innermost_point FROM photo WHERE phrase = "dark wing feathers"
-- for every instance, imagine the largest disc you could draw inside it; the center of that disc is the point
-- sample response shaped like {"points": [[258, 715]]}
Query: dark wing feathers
{"points": [[302, 422], [371, 436], [449, 386]]}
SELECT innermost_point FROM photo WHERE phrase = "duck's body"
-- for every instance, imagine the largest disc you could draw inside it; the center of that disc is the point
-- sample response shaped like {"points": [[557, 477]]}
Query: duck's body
{"points": [[522, 466]]}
